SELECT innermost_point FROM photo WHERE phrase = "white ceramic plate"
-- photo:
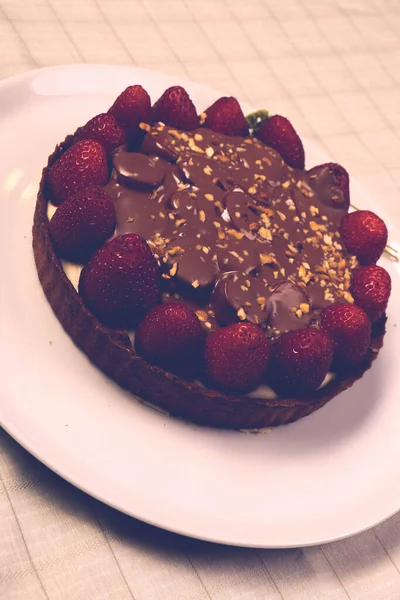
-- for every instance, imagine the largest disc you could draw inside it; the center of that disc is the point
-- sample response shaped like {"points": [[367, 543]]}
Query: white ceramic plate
{"points": [[328, 476]]}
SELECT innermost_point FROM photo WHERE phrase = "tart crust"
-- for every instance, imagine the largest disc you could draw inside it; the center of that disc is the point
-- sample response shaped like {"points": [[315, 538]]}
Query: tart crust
{"points": [[111, 351]]}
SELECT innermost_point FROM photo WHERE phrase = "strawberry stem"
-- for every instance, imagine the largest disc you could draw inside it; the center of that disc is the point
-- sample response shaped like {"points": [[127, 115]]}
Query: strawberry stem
{"points": [[256, 119]]}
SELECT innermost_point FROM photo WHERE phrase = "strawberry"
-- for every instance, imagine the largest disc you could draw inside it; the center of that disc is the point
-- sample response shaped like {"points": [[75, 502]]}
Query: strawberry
{"points": [[278, 133], [82, 224], [175, 108], [133, 106], [331, 183], [349, 328], [225, 116], [81, 166], [171, 337], [236, 357], [120, 283], [365, 235], [371, 287], [104, 129], [300, 360]]}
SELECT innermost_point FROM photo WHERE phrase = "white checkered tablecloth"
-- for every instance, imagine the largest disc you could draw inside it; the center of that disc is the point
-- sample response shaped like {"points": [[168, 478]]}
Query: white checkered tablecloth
{"points": [[332, 67]]}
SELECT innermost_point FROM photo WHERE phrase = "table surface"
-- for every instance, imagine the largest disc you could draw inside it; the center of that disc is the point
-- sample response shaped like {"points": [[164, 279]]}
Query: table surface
{"points": [[332, 67]]}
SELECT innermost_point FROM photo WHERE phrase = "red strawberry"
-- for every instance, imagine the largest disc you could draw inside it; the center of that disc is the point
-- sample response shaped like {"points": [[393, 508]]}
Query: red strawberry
{"points": [[104, 129], [132, 107], [365, 235], [82, 224], [225, 116], [371, 287], [331, 183], [278, 133], [171, 337], [349, 328], [120, 283], [300, 361], [236, 357], [81, 166], [176, 108]]}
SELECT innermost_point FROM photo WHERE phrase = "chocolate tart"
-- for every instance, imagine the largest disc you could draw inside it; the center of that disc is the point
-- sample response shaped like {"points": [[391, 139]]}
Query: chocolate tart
{"points": [[111, 350]]}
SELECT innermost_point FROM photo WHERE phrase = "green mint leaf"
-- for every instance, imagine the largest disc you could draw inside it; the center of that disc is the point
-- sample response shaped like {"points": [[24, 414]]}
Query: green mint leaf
{"points": [[256, 119]]}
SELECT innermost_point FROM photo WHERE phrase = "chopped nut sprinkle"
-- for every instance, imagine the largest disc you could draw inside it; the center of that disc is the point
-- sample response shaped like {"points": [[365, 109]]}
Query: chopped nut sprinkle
{"points": [[347, 296], [302, 271], [265, 233], [176, 250], [194, 146], [173, 270], [202, 315], [175, 134], [262, 302], [238, 235], [267, 259], [305, 308], [209, 152], [241, 314]]}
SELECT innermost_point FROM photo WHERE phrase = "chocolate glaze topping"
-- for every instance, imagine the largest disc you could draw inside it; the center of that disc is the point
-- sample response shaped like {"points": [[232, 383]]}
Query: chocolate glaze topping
{"points": [[137, 170], [238, 233], [325, 186]]}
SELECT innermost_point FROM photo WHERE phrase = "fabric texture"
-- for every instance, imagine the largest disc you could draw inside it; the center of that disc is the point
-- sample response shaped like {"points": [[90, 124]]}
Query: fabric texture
{"points": [[331, 67]]}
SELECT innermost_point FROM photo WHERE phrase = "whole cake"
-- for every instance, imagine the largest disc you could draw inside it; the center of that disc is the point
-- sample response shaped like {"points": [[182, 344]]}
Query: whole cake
{"points": [[217, 278]]}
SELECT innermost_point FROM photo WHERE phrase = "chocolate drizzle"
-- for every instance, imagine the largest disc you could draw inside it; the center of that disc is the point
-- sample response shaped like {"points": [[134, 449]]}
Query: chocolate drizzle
{"points": [[235, 229], [334, 201], [137, 170]]}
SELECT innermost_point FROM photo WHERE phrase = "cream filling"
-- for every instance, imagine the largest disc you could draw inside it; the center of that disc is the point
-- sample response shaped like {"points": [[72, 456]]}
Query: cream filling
{"points": [[73, 272]]}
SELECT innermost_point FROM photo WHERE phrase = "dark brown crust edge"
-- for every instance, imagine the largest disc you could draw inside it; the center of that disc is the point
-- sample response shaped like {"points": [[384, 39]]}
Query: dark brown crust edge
{"points": [[111, 352]]}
